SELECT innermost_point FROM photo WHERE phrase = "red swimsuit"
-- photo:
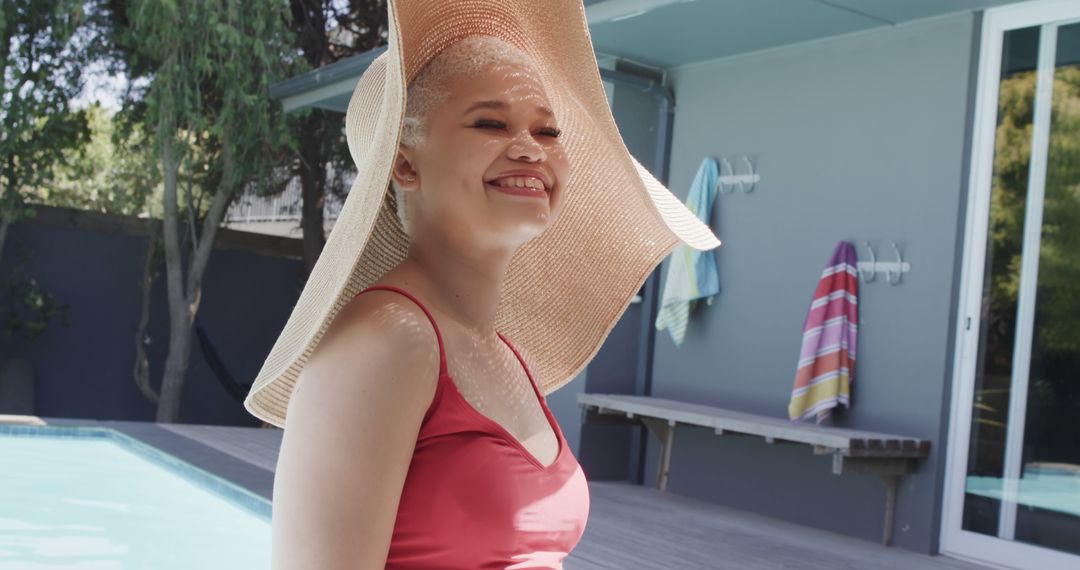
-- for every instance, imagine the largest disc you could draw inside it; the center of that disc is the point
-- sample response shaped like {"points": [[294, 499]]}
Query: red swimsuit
{"points": [[474, 496]]}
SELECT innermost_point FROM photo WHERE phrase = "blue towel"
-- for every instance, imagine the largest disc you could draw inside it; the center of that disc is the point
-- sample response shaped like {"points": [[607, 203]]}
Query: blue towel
{"points": [[692, 274]]}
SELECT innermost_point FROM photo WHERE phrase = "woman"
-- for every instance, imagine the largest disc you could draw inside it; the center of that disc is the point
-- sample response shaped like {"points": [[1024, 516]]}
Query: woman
{"points": [[425, 342], [464, 225]]}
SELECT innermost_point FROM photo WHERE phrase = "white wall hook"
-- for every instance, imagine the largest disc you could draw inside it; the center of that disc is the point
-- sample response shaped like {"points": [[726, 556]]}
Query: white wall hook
{"points": [[729, 179], [868, 270], [870, 267], [747, 181], [727, 173], [899, 264]]}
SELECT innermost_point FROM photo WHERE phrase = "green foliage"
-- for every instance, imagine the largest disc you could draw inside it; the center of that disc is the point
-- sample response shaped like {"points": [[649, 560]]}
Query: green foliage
{"points": [[41, 61], [214, 62], [112, 173], [28, 308], [1058, 296], [327, 31], [1057, 320], [1054, 394]]}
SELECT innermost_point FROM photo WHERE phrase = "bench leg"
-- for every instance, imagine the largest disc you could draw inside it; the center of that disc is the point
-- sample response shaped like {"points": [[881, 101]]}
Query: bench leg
{"points": [[888, 470], [665, 458], [665, 432], [890, 507]]}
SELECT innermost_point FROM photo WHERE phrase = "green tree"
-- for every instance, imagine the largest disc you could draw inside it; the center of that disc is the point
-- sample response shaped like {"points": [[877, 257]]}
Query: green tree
{"points": [[215, 129], [42, 55], [326, 31], [114, 172]]}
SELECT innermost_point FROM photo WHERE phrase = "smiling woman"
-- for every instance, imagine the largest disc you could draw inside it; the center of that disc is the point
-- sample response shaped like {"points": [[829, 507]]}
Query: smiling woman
{"points": [[414, 366], [433, 86], [482, 168]]}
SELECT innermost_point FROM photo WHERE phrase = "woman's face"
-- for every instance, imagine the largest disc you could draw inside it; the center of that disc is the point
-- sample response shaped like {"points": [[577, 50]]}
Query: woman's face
{"points": [[495, 129]]}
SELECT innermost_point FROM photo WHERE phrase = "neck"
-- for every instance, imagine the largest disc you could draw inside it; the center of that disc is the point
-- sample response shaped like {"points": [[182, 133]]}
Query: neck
{"points": [[461, 281]]}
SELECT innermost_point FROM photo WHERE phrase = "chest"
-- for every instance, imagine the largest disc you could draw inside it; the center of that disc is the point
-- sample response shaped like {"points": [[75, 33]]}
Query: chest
{"points": [[494, 382]]}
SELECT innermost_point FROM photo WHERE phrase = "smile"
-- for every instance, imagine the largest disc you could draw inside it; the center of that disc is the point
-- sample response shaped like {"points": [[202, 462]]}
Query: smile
{"points": [[528, 191]]}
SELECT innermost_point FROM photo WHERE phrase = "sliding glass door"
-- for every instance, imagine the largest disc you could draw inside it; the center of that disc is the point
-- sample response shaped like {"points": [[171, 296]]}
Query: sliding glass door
{"points": [[1013, 474]]}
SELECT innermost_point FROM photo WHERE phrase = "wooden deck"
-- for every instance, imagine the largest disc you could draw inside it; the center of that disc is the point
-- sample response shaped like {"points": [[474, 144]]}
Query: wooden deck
{"points": [[630, 526], [888, 456], [256, 446], [633, 526]]}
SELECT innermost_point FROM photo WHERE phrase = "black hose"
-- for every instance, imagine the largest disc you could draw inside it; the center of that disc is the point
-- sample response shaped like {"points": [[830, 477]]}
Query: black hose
{"points": [[237, 390]]}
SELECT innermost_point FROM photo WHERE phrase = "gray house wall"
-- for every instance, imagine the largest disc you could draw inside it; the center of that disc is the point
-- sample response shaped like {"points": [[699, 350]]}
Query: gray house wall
{"points": [[606, 451], [856, 138]]}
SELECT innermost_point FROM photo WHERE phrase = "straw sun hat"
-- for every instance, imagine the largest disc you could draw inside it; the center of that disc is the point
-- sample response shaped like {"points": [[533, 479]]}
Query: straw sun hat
{"points": [[565, 289]]}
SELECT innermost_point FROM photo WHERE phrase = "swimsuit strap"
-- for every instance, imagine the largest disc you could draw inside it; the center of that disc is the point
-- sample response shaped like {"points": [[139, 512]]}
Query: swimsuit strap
{"points": [[442, 351]]}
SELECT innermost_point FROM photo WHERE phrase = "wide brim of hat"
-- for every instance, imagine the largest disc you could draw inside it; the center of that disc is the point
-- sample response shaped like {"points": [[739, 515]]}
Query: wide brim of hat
{"points": [[564, 290]]}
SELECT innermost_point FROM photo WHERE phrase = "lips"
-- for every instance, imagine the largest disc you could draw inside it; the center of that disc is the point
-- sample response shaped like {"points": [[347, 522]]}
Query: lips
{"points": [[523, 173], [526, 191]]}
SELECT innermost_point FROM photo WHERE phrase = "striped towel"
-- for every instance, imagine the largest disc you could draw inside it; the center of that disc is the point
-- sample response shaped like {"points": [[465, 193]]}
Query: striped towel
{"points": [[691, 273], [827, 357]]}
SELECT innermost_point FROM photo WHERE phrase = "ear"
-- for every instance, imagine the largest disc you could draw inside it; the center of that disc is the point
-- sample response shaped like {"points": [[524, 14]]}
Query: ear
{"points": [[404, 173]]}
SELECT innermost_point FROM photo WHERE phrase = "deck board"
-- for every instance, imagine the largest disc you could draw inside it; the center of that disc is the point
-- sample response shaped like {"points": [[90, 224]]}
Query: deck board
{"points": [[631, 526], [254, 445]]}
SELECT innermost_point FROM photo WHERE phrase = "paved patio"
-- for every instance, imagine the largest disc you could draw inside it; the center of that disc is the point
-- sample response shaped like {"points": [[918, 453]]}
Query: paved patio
{"points": [[630, 526]]}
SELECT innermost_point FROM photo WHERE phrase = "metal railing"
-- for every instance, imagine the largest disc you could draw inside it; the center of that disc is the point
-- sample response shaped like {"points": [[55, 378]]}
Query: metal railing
{"points": [[282, 207]]}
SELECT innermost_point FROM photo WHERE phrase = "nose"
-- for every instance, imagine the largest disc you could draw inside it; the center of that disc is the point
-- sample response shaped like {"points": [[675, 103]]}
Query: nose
{"points": [[525, 147]]}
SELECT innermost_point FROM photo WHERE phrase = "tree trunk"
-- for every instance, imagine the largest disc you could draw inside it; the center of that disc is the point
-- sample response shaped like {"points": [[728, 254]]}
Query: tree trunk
{"points": [[313, 188], [142, 362], [185, 294], [180, 315], [176, 365]]}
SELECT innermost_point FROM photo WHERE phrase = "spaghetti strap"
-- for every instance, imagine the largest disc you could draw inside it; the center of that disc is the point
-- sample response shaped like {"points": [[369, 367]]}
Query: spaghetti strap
{"points": [[438, 336], [528, 373]]}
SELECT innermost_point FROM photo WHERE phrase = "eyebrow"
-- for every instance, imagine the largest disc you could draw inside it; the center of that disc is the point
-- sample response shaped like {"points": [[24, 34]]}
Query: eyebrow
{"points": [[502, 106]]}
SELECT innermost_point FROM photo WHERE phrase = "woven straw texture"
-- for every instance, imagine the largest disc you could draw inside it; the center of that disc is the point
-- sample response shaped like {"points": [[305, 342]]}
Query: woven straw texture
{"points": [[565, 289]]}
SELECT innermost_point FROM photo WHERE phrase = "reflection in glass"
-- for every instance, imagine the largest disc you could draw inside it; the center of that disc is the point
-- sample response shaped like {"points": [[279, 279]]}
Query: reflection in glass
{"points": [[1048, 492], [1012, 153]]}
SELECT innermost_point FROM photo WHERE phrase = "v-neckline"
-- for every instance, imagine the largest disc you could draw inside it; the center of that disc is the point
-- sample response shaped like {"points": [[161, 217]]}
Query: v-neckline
{"points": [[502, 431]]}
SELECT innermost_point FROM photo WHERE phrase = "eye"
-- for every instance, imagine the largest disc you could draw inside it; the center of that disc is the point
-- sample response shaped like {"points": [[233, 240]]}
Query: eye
{"points": [[489, 123], [483, 123]]}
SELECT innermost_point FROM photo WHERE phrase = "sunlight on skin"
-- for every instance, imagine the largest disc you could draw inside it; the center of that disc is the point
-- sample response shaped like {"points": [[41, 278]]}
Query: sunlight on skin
{"points": [[464, 232], [448, 200]]}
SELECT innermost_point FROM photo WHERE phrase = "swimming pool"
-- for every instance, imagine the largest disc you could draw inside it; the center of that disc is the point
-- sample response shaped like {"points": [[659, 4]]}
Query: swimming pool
{"points": [[94, 498]]}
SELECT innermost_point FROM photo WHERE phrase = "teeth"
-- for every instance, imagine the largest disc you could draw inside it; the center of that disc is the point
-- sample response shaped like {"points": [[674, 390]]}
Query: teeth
{"points": [[520, 182]]}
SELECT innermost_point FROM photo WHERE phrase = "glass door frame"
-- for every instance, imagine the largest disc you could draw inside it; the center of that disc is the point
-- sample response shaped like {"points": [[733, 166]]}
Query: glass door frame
{"points": [[955, 541]]}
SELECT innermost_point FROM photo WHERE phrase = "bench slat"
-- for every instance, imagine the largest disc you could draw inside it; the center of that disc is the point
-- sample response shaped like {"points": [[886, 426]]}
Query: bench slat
{"points": [[854, 442]]}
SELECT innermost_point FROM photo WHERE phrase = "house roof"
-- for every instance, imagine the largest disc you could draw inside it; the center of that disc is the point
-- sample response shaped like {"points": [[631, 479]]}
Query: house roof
{"points": [[328, 87], [641, 31]]}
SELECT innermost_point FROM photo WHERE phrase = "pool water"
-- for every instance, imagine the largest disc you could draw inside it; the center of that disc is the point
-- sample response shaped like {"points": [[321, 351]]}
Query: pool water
{"points": [[94, 498], [1046, 487]]}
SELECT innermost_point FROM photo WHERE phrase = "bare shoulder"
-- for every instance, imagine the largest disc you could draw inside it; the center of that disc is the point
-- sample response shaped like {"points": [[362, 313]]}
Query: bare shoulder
{"points": [[379, 351], [350, 432], [384, 322]]}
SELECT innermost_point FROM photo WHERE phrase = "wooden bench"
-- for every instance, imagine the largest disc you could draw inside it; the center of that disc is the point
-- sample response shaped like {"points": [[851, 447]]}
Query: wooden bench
{"points": [[853, 451]]}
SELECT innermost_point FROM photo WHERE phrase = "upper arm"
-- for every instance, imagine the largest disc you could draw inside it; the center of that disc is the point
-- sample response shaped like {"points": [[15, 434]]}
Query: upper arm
{"points": [[350, 432]]}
